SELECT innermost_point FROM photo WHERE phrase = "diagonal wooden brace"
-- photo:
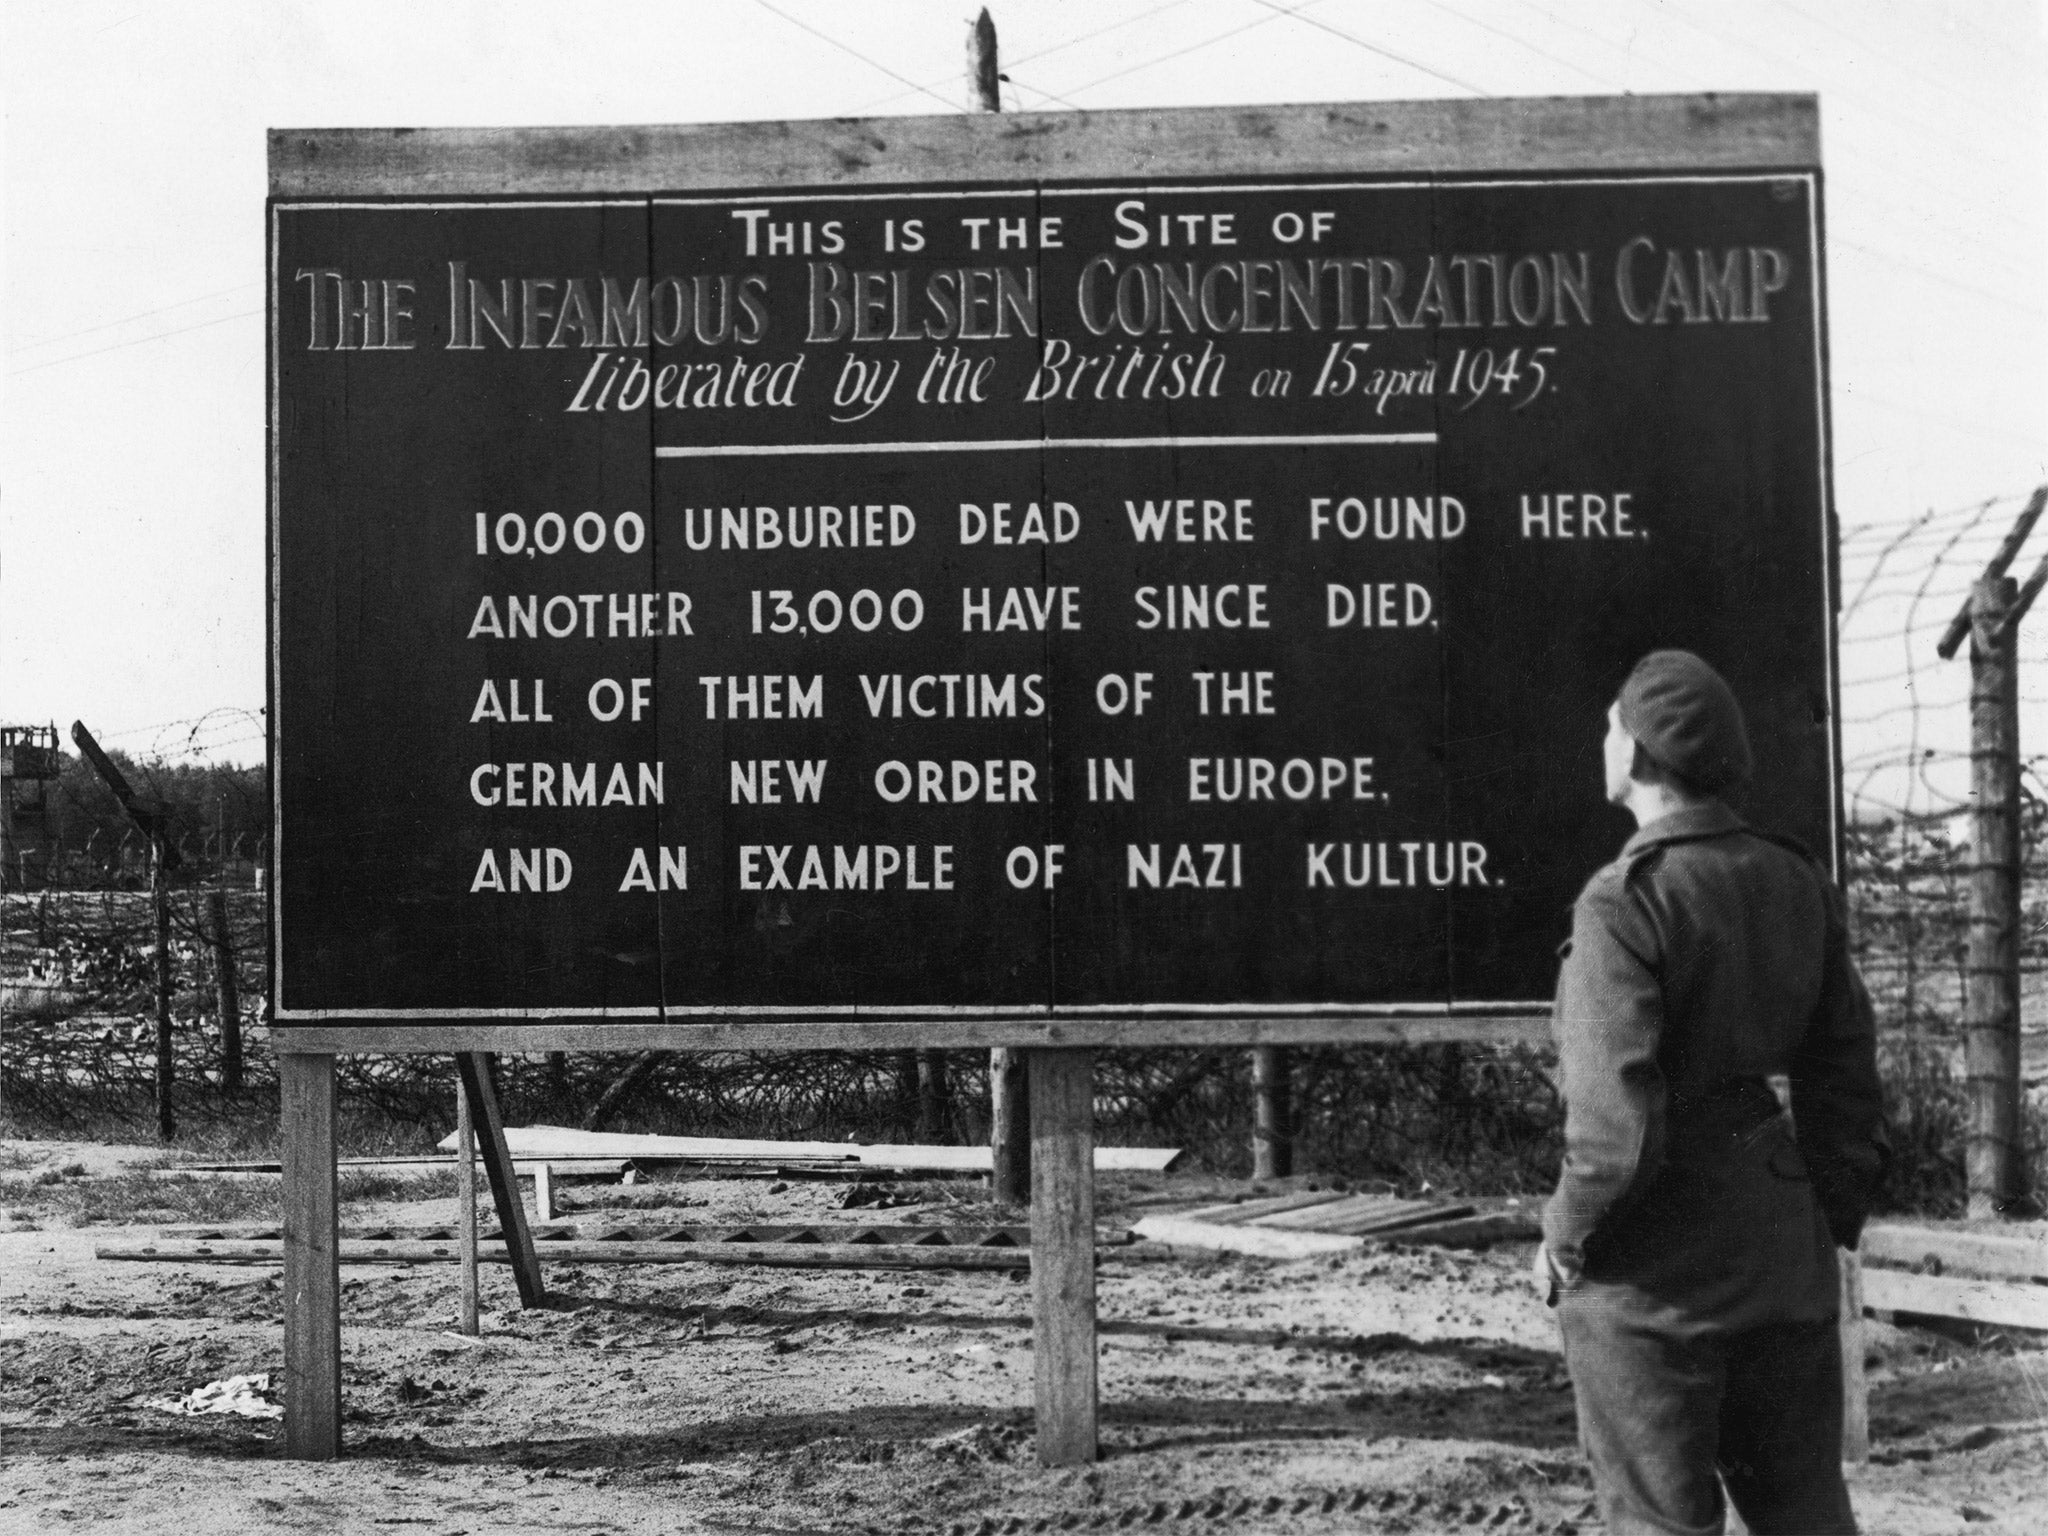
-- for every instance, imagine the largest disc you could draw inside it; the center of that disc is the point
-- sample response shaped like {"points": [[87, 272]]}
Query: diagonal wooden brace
{"points": [[497, 1158]]}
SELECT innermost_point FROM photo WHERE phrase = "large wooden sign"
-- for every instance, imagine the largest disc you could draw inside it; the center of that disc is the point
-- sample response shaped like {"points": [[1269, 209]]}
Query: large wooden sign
{"points": [[971, 575]]}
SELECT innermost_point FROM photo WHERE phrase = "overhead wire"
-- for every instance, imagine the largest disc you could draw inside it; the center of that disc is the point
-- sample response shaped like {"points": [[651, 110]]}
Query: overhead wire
{"points": [[108, 325], [1523, 43], [1846, 95], [1386, 53], [1210, 42], [79, 357], [848, 49], [1009, 65], [1972, 96]]}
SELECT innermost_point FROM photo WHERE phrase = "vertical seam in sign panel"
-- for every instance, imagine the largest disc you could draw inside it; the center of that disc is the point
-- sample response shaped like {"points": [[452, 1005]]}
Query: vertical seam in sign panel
{"points": [[1443, 637], [1049, 912], [654, 666], [1829, 531], [273, 680]]}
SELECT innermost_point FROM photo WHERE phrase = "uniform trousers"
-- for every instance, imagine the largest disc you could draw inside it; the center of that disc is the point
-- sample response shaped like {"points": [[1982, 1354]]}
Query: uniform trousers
{"points": [[1668, 1417]]}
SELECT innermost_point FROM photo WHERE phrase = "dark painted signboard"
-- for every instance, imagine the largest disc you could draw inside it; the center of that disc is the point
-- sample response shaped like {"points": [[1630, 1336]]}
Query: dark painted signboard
{"points": [[1000, 601]]}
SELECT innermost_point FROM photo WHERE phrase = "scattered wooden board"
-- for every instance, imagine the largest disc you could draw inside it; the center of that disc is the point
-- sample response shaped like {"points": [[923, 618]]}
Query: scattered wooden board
{"points": [[1934, 1250], [1263, 1242], [1331, 1215], [1976, 1301], [1236, 1212], [1304, 1224], [1370, 1215], [1480, 1230]]}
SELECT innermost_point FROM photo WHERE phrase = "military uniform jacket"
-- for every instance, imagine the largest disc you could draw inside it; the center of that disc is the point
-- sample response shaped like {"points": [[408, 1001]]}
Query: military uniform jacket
{"points": [[1706, 961]]}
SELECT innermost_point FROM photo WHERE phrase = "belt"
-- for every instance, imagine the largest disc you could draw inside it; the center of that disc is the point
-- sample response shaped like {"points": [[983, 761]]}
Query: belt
{"points": [[1733, 1110]]}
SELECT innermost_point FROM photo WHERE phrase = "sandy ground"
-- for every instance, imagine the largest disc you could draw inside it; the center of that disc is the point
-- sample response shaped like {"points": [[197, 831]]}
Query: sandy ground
{"points": [[1398, 1390]]}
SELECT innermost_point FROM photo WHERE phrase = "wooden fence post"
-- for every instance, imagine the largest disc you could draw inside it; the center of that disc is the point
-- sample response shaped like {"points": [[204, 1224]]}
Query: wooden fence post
{"points": [[1272, 1113], [1992, 991], [160, 905], [934, 1099], [312, 1265], [1063, 1254], [1855, 1389], [227, 988], [1009, 1093]]}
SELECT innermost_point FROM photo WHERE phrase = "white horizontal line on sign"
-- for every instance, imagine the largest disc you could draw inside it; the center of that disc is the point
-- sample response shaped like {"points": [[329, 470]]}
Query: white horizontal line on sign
{"points": [[1020, 444]]}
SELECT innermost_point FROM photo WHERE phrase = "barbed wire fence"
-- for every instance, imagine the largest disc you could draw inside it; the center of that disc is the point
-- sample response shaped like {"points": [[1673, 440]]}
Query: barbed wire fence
{"points": [[1907, 782]]}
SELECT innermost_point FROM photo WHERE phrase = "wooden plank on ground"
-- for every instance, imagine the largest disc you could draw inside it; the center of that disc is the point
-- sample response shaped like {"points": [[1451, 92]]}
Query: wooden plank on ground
{"points": [[490, 1128], [309, 1254], [1475, 1231], [1235, 1212], [1343, 1214], [770, 1255], [1938, 1249], [1063, 1244], [1262, 1242], [1425, 1213], [1976, 1301]]}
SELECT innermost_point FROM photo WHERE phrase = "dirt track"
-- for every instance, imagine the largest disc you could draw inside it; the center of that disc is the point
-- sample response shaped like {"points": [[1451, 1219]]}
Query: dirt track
{"points": [[1413, 1390]]}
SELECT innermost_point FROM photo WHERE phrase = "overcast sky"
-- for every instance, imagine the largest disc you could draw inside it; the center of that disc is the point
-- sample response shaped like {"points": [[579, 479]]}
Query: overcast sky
{"points": [[131, 423]]}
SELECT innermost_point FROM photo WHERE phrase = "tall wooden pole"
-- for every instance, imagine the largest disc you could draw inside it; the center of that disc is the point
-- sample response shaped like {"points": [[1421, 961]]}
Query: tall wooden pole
{"points": [[1992, 989], [1272, 1113], [1009, 1091], [982, 73], [160, 903]]}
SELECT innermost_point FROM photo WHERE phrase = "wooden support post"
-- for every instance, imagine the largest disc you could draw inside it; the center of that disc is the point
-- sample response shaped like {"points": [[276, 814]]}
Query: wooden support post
{"points": [[1991, 994], [1272, 1113], [1063, 1253], [1009, 1134], [465, 1205], [475, 1068], [227, 988], [1855, 1389], [160, 903], [312, 1269]]}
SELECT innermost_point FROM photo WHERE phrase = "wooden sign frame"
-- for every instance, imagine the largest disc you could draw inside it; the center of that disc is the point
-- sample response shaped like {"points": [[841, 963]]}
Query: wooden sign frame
{"points": [[1600, 137]]}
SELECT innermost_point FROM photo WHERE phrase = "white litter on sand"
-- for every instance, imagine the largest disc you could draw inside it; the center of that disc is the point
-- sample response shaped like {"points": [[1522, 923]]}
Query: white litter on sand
{"points": [[247, 1397]]}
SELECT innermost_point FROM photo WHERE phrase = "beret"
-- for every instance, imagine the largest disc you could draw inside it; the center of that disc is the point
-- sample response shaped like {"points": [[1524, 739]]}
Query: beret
{"points": [[1683, 713]]}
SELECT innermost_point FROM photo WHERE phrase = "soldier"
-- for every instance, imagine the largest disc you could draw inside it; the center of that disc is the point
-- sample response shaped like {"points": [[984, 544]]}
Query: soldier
{"points": [[1689, 1247]]}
